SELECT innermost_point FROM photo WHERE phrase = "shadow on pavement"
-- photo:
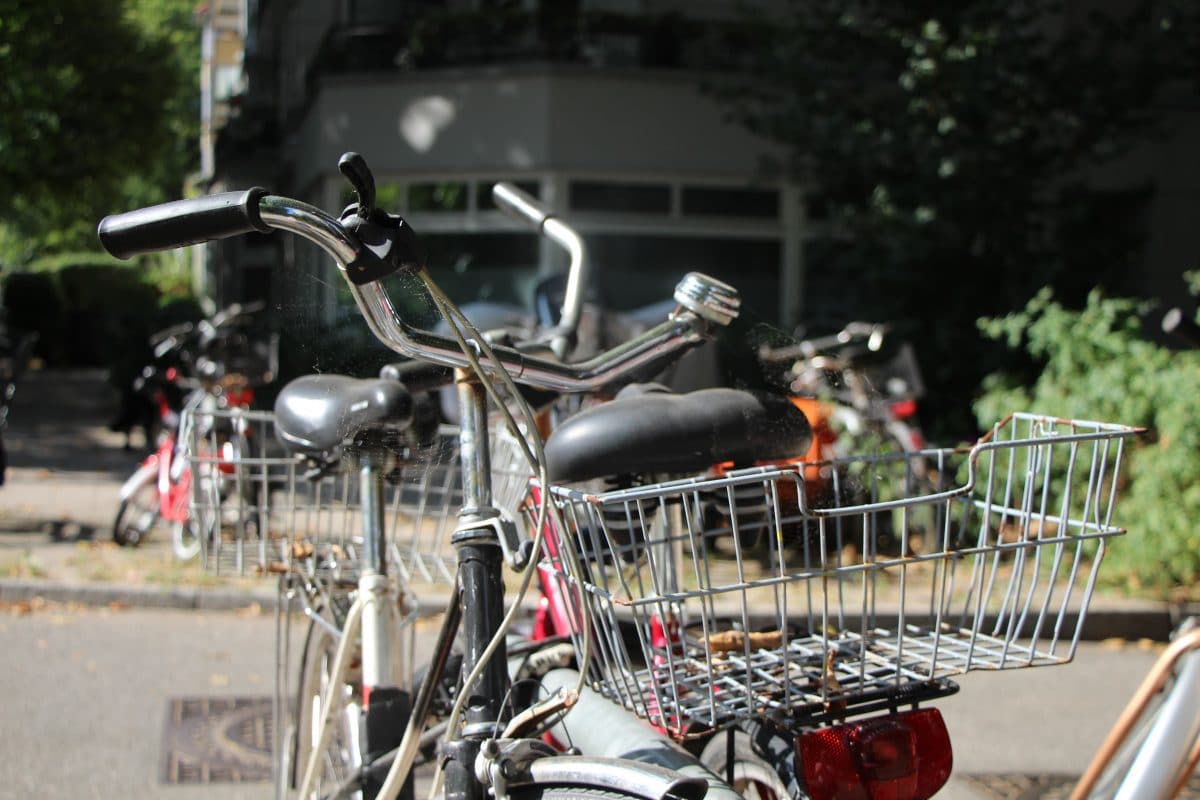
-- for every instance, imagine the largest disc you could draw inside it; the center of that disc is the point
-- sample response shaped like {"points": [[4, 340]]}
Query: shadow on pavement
{"points": [[58, 421]]}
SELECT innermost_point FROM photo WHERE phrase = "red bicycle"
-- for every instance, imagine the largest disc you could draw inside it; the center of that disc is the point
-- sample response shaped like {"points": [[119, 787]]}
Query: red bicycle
{"points": [[214, 366]]}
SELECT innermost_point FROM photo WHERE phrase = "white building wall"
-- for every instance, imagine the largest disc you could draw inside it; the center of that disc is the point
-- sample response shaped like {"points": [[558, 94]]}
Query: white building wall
{"points": [[541, 120]]}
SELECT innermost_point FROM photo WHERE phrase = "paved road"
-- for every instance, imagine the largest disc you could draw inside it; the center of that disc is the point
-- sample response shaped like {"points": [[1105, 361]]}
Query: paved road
{"points": [[87, 695], [88, 692]]}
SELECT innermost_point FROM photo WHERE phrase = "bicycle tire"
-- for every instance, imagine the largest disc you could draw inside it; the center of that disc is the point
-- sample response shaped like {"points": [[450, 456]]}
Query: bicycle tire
{"points": [[137, 514], [765, 772], [185, 539], [341, 757]]}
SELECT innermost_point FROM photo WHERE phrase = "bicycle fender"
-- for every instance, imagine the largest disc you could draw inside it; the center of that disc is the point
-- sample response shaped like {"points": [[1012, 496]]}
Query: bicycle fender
{"points": [[148, 471], [640, 779]]}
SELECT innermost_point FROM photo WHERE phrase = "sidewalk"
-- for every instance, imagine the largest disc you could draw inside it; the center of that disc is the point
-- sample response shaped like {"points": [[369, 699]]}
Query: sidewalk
{"points": [[56, 512], [60, 497]]}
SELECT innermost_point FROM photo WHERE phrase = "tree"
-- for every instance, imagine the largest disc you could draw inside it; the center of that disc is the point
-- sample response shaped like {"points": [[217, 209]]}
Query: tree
{"points": [[949, 145], [91, 93]]}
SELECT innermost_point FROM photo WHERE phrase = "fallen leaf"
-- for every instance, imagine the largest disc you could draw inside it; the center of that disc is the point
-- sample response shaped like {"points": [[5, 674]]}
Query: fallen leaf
{"points": [[252, 610]]}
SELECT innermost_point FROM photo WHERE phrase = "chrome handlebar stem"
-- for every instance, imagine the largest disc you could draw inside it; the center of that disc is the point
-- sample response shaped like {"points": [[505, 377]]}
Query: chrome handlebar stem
{"points": [[681, 331]]}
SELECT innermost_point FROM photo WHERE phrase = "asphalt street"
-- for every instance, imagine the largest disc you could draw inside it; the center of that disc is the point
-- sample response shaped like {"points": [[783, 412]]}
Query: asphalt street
{"points": [[88, 693]]}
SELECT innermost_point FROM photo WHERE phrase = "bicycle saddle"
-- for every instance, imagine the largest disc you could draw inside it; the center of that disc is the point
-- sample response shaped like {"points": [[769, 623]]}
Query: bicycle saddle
{"points": [[652, 431], [316, 413]]}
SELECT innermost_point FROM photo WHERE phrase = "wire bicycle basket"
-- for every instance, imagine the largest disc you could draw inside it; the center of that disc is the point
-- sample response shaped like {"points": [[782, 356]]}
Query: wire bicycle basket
{"points": [[262, 511], [814, 591]]}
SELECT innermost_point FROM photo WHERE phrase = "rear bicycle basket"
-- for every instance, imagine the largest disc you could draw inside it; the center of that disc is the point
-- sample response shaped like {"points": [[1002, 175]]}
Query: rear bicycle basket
{"points": [[263, 511], [819, 590]]}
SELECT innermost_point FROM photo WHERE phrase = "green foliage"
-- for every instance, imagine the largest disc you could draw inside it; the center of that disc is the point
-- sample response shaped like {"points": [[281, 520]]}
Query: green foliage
{"points": [[99, 104], [89, 309], [1098, 365], [944, 144], [33, 302]]}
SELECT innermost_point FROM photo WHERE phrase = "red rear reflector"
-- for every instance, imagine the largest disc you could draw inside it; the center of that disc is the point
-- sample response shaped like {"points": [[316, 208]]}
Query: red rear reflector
{"points": [[903, 409], [903, 756]]}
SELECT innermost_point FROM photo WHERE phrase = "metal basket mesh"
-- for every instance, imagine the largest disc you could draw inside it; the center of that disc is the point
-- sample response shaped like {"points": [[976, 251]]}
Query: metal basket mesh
{"points": [[817, 590], [261, 511]]}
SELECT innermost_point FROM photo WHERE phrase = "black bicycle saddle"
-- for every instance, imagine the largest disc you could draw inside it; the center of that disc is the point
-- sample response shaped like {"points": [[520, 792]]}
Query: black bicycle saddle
{"points": [[315, 414], [658, 432]]}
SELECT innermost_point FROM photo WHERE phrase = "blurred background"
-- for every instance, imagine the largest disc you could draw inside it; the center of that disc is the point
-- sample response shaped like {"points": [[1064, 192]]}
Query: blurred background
{"points": [[1012, 188]]}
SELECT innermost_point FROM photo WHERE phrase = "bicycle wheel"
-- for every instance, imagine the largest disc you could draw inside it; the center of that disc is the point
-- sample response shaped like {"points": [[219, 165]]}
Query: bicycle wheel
{"points": [[767, 776], [341, 757], [185, 539], [137, 514]]}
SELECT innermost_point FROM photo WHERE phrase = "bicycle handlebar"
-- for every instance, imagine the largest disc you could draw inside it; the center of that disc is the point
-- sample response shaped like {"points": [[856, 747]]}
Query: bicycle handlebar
{"points": [[182, 222], [854, 332], [524, 208], [363, 264]]}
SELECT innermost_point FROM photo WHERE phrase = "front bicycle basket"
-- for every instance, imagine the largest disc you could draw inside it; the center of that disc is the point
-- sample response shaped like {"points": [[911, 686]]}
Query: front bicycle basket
{"points": [[819, 590], [262, 512]]}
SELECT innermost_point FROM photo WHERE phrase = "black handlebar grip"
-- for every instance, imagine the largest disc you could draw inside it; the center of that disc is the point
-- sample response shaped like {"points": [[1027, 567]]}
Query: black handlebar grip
{"points": [[182, 222]]}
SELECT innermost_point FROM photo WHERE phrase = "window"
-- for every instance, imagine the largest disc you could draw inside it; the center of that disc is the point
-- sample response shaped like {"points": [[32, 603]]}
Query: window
{"points": [[387, 197], [717, 201], [498, 267], [442, 196], [632, 271], [626, 198]]}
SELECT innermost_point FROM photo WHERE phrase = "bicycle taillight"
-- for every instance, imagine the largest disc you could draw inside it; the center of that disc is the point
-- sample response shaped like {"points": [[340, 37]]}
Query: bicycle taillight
{"points": [[240, 399], [903, 409], [904, 756]]}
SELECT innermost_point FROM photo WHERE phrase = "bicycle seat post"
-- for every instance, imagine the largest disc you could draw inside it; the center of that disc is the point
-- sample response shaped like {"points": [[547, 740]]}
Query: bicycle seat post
{"points": [[480, 572], [370, 474]]}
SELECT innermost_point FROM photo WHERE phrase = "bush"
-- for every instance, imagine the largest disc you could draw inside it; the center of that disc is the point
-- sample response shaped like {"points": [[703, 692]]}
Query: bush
{"points": [[33, 302], [111, 312], [92, 311], [1097, 364]]}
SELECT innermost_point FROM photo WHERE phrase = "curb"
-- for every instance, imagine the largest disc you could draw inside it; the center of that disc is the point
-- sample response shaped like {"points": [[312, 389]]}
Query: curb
{"points": [[1141, 620], [135, 596], [150, 597]]}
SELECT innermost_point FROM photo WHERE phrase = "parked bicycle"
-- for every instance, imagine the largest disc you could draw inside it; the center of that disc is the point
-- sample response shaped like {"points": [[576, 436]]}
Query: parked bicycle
{"points": [[1153, 748], [805, 677], [860, 387], [213, 364]]}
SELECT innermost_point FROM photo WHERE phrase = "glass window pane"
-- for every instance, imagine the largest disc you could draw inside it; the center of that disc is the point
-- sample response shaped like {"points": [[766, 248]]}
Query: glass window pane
{"points": [[626, 198], [387, 197], [440, 196], [718, 201], [634, 271], [500, 267]]}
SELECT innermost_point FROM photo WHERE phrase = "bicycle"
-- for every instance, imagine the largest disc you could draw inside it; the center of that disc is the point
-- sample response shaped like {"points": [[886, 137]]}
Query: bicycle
{"points": [[511, 766], [699, 664], [1154, 746], [199, 368]]}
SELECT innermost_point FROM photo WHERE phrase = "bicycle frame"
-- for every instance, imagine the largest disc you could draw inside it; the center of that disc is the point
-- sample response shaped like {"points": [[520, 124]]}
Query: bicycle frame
{"points": [[486, 754], [1170, 749]]}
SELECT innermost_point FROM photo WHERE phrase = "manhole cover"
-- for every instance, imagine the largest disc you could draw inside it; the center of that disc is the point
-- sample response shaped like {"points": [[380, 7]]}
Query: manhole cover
{"points": [[218, 740], [1022, 787]]}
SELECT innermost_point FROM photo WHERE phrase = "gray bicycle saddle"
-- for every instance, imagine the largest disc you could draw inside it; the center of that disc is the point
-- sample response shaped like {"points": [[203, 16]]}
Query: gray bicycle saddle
{"points": [[658, 432], [315, 414]]}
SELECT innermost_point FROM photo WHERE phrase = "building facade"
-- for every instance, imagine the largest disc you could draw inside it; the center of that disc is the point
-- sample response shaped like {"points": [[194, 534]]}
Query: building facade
{"points": [[604, 109]]}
